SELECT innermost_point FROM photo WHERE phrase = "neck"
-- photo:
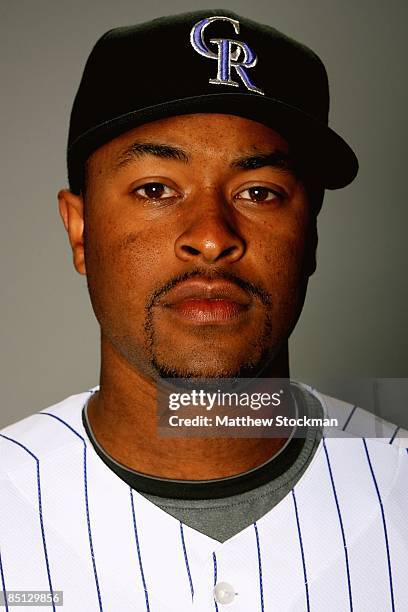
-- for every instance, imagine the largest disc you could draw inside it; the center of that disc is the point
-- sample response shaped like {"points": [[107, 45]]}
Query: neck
{"points": [[122, 416]]}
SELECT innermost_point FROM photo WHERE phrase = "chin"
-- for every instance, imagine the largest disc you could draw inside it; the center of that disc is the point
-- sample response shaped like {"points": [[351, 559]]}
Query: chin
{"points": [[212, 368]]}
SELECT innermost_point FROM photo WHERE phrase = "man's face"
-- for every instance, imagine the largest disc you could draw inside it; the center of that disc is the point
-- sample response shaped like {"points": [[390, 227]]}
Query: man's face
{"points": [[197, 234]]}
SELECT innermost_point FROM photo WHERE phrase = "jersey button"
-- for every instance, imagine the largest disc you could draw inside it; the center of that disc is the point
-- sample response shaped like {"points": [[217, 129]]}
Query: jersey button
{"points": [[224, 593]]}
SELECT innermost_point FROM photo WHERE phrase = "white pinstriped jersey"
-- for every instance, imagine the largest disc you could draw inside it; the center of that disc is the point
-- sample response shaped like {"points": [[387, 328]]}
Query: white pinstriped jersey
{"points": [[338, 542]]}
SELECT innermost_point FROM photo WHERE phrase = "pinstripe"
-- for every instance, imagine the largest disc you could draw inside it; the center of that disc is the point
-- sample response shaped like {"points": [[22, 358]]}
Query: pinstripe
{"points": [[39, 511], [394, 434], [186, 560], [88, 520], [341, 524], [215, 578], [3, 584], [138, 551], [350, 416], [384, 525], [301, 550], [259, 566]]}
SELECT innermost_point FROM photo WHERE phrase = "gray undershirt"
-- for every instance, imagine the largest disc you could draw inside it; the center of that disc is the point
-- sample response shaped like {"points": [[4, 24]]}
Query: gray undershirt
{"points": [[222, 518]]}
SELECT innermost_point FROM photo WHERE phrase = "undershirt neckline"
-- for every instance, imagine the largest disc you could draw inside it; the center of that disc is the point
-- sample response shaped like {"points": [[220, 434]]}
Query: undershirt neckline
{"points": [[209, 489]]}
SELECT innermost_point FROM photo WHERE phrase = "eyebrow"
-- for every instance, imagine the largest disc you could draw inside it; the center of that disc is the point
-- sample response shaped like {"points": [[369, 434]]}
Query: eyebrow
{"points": [[138, 149], [275, 159]]}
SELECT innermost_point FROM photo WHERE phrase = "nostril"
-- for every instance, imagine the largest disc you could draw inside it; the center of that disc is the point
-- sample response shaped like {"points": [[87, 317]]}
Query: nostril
{"points": [[190, 250], [228, 251]]}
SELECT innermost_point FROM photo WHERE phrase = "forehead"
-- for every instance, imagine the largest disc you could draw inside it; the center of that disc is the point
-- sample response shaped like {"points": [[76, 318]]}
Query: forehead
{"points": [[200, 134]]}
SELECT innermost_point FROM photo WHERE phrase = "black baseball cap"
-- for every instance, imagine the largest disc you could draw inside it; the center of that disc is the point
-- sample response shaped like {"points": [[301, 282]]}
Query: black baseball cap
{"points": [[209, 61]]}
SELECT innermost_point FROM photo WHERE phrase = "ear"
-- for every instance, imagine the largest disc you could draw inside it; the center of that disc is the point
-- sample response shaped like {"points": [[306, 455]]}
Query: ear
{"points": [[71, 208], [311, 246]]}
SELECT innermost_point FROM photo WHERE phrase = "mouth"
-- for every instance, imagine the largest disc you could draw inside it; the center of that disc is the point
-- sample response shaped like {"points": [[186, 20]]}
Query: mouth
{"points": [[207, 302]]}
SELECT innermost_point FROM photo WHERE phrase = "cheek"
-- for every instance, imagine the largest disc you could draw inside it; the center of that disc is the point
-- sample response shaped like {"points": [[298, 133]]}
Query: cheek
{"points": [[285, 260], [283, 250], [138, 255], [122, 269], [281, 258]]}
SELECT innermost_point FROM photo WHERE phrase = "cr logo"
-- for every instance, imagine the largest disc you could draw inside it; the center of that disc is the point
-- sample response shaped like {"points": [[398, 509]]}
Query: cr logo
{"points": [[230, 54]]}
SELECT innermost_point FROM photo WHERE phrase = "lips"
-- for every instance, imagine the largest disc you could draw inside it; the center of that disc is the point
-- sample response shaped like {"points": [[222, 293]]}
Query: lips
{"points": [[203, 301]]}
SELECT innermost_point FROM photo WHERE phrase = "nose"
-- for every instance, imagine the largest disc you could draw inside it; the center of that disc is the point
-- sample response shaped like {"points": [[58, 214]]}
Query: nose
{"points": [[211, 237]]}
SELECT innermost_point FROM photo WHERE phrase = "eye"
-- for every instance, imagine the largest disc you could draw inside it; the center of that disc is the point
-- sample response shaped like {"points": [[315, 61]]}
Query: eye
{"points": [[258, 193], [155, 191]]}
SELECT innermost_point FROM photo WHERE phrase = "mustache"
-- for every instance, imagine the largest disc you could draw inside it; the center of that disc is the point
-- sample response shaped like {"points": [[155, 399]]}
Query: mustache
{"points": [[254, 289]]}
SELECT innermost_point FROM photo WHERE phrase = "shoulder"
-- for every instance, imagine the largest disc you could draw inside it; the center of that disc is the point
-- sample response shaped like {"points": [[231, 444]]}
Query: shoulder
{"points": [[42, 434], [364, 458], [353, 421]]}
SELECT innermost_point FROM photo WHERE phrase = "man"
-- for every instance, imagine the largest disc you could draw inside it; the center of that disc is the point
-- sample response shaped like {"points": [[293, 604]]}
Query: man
{"points": [[198, 155]]}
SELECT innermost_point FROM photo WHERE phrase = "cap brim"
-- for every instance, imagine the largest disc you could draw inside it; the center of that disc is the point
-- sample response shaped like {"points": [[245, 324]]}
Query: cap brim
{"points": [[331, 159]]}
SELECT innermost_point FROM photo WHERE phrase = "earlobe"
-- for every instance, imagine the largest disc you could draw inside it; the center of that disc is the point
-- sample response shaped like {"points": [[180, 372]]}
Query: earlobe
{"points": [[71, 208]]}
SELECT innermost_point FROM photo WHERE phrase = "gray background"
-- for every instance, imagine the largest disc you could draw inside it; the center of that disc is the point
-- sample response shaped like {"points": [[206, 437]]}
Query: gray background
{"points": [[354, 322]]}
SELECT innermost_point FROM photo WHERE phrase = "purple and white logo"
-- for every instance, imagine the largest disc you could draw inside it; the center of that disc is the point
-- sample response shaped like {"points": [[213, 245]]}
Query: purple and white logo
{"points": [[230, 54]]}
